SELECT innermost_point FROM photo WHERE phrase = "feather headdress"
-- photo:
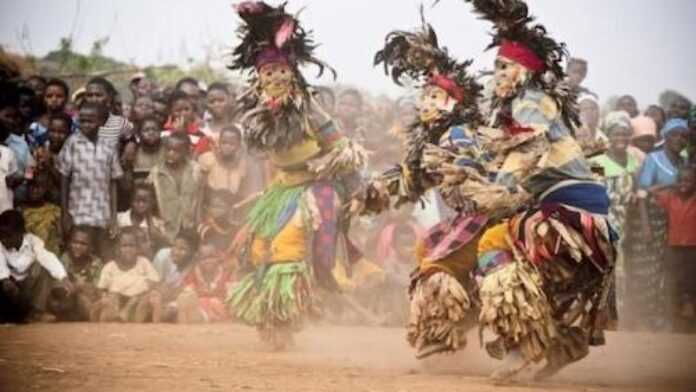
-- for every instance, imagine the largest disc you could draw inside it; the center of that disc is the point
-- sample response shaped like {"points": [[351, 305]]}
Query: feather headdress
{"points": [[519, 38], [271, 34], [418, 55]]}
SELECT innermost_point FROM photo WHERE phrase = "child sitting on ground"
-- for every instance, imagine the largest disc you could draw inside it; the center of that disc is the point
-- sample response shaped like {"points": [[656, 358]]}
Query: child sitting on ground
{"points": [[172, 265], [205, 288], [144, 215], [83, 268], [28, 272], [42, 218], [128, 284]]}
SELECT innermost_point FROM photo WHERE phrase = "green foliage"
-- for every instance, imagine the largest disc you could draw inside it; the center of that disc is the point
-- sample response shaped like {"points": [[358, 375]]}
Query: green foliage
{"points": [[169, 74], [76, 68]]}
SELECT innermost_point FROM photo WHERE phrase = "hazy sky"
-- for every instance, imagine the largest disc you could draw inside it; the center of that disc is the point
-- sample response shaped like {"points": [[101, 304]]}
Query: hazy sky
{"points": [[633, 46]]}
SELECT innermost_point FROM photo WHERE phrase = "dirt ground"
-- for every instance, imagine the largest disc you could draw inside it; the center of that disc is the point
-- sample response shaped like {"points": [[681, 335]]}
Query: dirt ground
{"points": [[224, 357]]}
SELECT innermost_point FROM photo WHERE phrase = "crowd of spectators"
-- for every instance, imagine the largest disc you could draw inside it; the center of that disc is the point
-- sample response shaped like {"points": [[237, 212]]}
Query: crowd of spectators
{"points": [[126, 206]]}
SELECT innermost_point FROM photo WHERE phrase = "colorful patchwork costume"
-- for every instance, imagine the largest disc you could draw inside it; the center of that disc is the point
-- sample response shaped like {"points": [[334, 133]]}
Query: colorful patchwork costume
{"points": [[296, 227], [544, 271], [441, 305]]}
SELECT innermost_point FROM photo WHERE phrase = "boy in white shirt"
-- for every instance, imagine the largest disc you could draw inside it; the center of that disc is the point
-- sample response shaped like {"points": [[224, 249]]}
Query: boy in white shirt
{"points": [[8, 177], [28, 272]]}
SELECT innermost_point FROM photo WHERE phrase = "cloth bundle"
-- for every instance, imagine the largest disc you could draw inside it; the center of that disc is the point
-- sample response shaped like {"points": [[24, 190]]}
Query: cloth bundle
{"points": [[438, 320], [514, 306]]}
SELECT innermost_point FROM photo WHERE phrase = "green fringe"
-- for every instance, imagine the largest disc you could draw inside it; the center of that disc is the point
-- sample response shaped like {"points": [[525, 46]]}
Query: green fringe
{"points": [[281, 296], [264, 216]]}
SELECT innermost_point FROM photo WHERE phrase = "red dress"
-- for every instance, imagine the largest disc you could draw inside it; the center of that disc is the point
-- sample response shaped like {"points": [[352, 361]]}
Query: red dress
{"points": [[211, 293]]}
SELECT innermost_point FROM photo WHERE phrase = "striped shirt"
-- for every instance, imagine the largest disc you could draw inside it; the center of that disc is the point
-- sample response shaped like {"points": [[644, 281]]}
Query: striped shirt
{"points": [[564, 158], [115, 129]]}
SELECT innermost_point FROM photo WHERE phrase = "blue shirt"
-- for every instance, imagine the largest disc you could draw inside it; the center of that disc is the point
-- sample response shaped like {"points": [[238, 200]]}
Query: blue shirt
{"points": [[657, 170], [21, 150], [38, 135]]}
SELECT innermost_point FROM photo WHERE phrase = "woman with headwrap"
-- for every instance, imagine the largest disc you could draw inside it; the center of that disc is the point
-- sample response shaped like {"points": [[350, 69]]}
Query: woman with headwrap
{"points": [[647, 236], [589, 118], [644, 137], [619, 168]]}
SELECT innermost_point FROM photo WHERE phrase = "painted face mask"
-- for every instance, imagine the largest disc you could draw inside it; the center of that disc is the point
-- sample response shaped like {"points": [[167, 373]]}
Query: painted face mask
{"points": [[509, 75], [434, 102], [276, 80]]}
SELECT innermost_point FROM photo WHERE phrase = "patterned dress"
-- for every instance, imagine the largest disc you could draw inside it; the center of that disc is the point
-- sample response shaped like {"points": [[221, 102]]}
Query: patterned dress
{"points": [[645, 253], [620, 183], [296, 229]]}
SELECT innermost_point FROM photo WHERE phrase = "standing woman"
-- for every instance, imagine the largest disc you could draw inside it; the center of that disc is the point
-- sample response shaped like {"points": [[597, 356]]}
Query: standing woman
{"points": [[620, 168], [648, 238]]}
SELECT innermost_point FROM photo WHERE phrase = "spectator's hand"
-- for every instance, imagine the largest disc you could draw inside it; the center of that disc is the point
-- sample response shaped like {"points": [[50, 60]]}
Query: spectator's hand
{"points": [[67, 286], [179, 124], [128, 156], [10, 288], [42, 157]]}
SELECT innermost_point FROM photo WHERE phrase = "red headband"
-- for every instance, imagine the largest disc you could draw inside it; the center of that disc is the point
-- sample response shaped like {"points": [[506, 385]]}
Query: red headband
{"points": [[448, 85], [522, 55]]}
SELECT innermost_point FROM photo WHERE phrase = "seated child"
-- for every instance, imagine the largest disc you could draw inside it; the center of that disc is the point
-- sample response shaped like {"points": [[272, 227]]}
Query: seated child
{"points": [[144, 215], [42, 218], [83, 268], [128, 284], [28, 272], [205, 288], [172, 265]]}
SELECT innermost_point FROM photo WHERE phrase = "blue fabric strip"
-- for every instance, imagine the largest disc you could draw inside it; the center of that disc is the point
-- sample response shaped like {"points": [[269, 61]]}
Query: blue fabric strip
{"points": [[491, 260], [585, 196]]}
